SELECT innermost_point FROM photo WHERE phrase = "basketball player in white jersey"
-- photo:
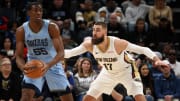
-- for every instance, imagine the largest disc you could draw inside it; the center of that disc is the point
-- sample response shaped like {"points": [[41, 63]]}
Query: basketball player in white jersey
{"points": [[43, 41], [110, 52]]}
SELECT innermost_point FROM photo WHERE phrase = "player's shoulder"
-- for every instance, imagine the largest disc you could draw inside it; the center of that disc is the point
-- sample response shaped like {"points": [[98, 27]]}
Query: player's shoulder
{"points": [[20, 29], [120, 43], [118, 40], [52, 24]]}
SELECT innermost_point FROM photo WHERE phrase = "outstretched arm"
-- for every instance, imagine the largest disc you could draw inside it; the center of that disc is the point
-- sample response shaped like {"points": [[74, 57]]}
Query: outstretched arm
{"points": [[141, 50], [146, 51], [85, 46], [75, 51]]}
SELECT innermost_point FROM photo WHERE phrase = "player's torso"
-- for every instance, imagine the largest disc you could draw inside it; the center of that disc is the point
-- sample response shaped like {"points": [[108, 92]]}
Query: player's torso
{"points": [[111, 60], [39, 44]]}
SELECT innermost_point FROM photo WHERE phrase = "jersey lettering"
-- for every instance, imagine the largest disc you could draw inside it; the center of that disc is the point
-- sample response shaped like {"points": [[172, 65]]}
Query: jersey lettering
{"points": [[108, 66], [40, 51]]}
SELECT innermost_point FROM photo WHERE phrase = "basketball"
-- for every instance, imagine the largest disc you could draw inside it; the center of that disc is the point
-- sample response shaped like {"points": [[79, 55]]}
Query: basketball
{"points": [[33, 69]]}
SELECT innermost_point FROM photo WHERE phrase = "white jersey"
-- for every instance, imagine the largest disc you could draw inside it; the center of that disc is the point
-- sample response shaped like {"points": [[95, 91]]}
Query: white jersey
{"points": [[111, 60], [115, 70]]}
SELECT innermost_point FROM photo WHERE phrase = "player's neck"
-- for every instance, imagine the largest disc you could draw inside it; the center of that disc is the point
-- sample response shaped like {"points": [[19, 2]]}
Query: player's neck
{"points": [[35, 26]]}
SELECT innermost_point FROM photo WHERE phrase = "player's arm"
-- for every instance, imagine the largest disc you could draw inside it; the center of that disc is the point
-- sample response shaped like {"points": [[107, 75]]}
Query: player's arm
{"points": [[82, 48], [57, 42], [141, 50], [125, 45], [20, 34], [146, 51]]}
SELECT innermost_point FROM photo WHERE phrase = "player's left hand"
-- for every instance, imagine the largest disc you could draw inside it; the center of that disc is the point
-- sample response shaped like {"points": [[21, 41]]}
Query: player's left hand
{"points": [[160, 63]]}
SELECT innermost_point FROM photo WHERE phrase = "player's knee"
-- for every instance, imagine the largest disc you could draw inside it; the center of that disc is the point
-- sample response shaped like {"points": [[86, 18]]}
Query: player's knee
{"points": [[88, 98], [67, 97], [40, 98], [26, 98], [140, 97]]}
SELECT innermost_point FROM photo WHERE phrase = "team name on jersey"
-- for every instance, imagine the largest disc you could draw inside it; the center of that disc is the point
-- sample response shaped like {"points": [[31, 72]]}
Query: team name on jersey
{"points": [[38, 42], [107, 59]]}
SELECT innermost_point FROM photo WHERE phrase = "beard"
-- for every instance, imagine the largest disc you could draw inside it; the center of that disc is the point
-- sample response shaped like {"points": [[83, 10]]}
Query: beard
{"points": [[97, 41]]}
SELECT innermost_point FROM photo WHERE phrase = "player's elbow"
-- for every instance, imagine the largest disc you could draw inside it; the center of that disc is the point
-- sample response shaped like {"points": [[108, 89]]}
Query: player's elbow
{"points": [[61, 55]]}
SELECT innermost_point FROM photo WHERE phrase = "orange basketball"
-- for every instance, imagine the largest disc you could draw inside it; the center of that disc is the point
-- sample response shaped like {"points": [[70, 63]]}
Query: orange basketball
{"points": [[33, 69]]}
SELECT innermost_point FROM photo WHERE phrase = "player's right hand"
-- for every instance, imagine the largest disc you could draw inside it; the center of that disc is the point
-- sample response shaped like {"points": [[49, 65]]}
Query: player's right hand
{"points": [[27, 68]]}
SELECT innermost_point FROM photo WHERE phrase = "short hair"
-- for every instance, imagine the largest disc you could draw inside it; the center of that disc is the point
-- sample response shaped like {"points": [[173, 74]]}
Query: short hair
{"points": [[103, 24], [30, 4]]}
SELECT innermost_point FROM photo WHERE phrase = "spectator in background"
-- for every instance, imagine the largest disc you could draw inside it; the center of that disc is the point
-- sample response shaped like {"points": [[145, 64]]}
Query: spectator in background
{"points": [[165, 50], [70, 77], [82, 31], [127, 3], [147, 81], [163, 29], [102, 15], [135, 11], [12, 26], [167, 85], [77, 65], [115, 28], [174, 63], [58, 12], [10, 83], [159, 10], [88, 12], [68, 35], [110, 7], [120, 16], [8, 46], [83, 78], [139, 33]]}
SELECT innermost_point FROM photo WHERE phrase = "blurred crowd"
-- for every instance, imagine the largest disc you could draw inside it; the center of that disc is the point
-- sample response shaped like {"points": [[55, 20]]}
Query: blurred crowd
{"points": [[147, 23]]}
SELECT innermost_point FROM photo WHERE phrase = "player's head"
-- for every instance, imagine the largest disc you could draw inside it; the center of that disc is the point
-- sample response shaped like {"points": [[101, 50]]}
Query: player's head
{"points": [[99, 32], [35, 10]]}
